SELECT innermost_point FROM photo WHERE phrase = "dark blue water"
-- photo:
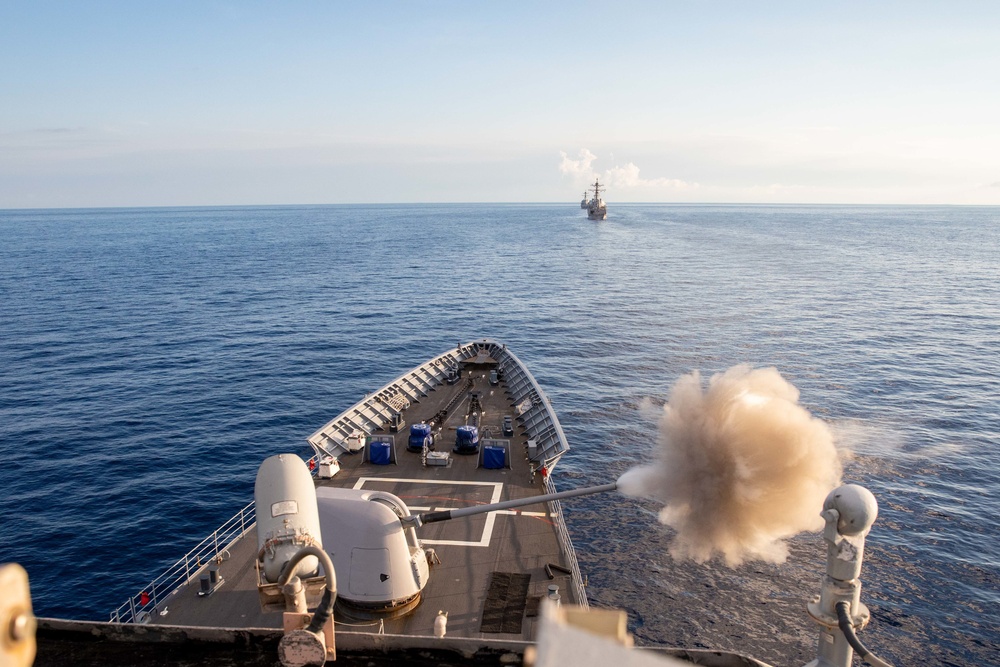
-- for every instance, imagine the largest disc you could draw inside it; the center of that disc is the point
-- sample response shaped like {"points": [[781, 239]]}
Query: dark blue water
{"points": [[151, 358]]}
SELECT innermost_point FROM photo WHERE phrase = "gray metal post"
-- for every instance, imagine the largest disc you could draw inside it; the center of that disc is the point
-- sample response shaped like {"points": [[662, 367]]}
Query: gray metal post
{"points": [[849, 511]]}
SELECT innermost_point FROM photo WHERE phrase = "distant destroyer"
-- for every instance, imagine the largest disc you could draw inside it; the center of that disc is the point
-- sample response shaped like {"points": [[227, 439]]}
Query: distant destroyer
{"points": [[596, 208]]}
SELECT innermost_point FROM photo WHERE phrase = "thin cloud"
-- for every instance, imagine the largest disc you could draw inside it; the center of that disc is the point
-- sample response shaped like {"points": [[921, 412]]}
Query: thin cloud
{"points": [[57, 130]]}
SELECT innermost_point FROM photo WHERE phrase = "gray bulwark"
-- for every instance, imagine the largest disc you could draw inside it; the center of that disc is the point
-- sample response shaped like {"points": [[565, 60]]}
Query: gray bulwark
{"points": [[518, 542]]}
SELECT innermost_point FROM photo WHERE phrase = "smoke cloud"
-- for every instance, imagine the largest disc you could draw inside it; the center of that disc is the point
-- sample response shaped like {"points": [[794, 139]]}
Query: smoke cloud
{"points": [[742, 466]]}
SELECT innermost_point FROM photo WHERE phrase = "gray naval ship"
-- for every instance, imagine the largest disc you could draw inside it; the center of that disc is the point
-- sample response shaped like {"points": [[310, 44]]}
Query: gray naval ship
{"points": [[426, 527], [597, 209]]}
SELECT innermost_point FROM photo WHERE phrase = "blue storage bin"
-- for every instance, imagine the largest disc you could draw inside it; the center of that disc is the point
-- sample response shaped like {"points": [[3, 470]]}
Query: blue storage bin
{"points": [[494, 457], [380, 453]]}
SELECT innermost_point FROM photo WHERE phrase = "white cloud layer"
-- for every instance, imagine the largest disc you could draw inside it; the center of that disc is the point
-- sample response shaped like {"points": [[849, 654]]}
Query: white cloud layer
{"points": [[621, 178], [579, 168], [627, 178]]}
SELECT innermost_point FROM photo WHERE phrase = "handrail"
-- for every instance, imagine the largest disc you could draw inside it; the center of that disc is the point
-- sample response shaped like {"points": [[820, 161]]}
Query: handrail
{"points": [[555, 509], [139, 607], [324, 440]]}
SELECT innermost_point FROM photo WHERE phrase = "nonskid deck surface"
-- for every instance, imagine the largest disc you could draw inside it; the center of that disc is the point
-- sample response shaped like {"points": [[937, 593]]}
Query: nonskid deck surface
{"points": [[470, 549]]}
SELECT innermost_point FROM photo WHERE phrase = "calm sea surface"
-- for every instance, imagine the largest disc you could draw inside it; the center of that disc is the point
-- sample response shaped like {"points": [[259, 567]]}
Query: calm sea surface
{"points": [[151, 358]]}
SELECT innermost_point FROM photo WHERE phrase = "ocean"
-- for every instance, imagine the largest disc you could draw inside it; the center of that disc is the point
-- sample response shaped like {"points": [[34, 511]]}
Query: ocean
{"points": [[150, 359]]}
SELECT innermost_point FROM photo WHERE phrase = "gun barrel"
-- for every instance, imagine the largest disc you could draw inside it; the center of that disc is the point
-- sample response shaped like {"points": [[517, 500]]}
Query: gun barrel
{"points": [[445, 515]]}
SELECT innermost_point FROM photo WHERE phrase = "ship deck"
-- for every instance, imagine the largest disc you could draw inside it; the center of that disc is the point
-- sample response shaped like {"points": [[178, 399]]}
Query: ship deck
{"points": [[471, 549]]}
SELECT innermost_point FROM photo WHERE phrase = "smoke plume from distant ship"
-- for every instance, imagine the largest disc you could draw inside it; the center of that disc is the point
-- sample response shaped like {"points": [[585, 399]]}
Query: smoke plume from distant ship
{"points": [[742, 466]]}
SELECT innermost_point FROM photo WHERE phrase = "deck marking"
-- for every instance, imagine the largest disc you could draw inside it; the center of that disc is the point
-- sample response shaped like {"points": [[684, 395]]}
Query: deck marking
{"points": [[484, 541]]}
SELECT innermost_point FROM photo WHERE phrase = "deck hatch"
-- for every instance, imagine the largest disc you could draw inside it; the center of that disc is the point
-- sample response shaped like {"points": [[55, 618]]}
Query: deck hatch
{"points": [[506, 599]]}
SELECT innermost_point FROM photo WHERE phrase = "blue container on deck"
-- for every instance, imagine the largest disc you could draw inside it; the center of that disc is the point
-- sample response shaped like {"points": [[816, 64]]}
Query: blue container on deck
{"points": [[420, 434], [494, 457], [467, 439], [380, 453]]}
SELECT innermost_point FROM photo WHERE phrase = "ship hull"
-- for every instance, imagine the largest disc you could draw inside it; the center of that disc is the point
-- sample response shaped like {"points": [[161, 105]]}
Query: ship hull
{"points": [[490, 571]]}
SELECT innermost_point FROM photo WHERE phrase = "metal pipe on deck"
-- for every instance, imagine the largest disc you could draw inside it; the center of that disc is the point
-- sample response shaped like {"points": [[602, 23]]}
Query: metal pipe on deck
{"points": [[446, 515]]}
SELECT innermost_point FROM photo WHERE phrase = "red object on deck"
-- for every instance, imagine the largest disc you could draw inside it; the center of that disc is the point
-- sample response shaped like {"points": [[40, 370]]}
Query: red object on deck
{"points": [[144, 598]]}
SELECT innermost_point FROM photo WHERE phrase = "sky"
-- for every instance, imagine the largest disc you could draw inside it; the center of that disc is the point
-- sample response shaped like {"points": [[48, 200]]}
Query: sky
{"points": [[254, 103]]}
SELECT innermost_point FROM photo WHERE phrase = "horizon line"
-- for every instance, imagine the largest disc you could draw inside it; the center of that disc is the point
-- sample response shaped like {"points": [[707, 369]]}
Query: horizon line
{"points": [[483, 203]]}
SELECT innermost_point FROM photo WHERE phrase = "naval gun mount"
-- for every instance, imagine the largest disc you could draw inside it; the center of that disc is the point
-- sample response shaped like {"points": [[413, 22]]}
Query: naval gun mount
{"points": [[367, 533], [375, 529]]}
